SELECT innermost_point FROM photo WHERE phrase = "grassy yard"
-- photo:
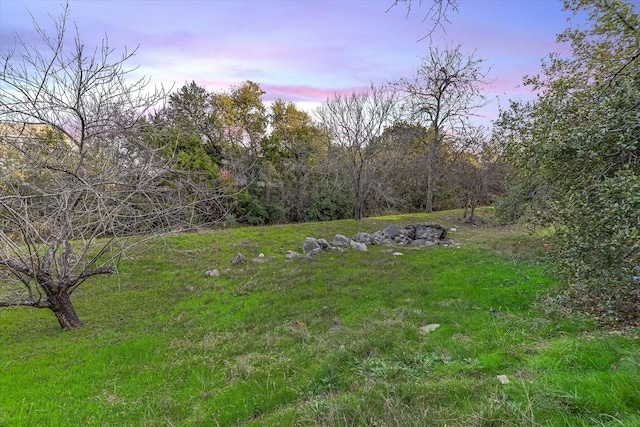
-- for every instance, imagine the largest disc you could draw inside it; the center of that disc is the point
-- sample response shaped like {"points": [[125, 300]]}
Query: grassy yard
{"points": [[332, 340]]}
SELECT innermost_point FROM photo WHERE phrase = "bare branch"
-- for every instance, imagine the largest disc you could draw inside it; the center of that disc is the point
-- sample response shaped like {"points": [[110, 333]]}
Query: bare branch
{"points": [[79, 184], [437, 13]]}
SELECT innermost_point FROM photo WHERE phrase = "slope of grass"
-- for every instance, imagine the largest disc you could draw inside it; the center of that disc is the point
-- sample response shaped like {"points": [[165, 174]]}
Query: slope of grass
{"points": [[336, 339]]}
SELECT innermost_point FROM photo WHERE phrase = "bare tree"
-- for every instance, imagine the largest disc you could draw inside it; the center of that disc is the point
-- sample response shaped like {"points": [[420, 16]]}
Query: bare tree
{"points": [[477, 170], [356, 123], [443, 94], [76, 181]]}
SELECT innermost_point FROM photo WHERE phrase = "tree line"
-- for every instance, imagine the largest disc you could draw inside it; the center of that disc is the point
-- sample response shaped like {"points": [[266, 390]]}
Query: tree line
{"points": [[404, 147]]}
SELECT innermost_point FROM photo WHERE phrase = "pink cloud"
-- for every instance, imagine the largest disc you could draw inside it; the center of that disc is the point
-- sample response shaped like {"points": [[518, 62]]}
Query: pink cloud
{"points": [[305, 93]]}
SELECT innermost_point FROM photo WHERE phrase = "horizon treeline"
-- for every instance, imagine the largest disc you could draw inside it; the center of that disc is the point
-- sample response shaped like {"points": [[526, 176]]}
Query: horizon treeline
{"points": [[280, 164]]}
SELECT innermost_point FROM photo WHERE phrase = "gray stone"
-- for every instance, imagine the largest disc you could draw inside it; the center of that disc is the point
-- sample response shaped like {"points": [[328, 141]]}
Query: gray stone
{"points": [[402, 240], [315, 251], [357, 246], [324, 244], [377, 238], [409, 232], [423, 242], [310, 244], [212, 273], [475, 220], [239, 259], [292, 255], [341, 240], [391, 231], [363, 237], [430, 231]]}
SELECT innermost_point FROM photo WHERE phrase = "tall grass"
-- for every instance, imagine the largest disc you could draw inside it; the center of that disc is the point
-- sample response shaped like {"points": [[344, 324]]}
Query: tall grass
{"points": [[333, 340]]}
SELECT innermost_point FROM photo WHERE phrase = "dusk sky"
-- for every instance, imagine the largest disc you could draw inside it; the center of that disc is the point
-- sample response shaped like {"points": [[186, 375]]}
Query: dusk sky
{"points": [[306, 50]]}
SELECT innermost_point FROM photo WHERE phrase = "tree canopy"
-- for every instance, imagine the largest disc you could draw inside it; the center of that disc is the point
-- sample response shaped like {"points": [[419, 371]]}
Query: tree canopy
{"points": [[575, 149]]}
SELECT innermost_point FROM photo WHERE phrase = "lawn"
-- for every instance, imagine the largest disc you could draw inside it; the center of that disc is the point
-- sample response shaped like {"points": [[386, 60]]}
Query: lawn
{"points": [[338, 339]]}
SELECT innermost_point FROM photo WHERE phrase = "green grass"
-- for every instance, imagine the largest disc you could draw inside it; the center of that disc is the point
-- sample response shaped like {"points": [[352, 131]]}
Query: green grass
{"points": [[334, 340]]}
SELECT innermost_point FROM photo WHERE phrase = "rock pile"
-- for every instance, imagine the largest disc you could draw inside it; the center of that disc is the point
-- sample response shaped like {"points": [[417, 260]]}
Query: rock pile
{"points": [[419, 235], [416, 235]]}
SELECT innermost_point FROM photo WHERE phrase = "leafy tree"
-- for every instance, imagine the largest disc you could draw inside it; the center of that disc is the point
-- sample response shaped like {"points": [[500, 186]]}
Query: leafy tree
{"points": [[297, 148], [402, 165], [190, 116], [442, 95], [578, 142], [74, 195]]}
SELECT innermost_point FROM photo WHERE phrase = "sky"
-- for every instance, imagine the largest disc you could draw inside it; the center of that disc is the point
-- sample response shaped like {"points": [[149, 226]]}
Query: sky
{"points": [[304, 51]]}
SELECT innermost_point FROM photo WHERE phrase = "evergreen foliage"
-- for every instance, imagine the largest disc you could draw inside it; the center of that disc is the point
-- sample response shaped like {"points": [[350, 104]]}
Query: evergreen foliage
{"points": [[575, 150]]}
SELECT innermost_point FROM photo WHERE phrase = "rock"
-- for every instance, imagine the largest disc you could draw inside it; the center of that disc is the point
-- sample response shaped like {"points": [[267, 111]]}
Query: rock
{"points": [[292, 255], [212, 273], [402, 240], [397, 254], [363, 237], [503, 379], [419, 235], [408, 232], [310, 244], [423, 243], [429, 328], [475, 220], [357, 246], [341, 240], [378, 238], [323, 244], [239, 259], [391, 232], [430, 231], [315, 251]]}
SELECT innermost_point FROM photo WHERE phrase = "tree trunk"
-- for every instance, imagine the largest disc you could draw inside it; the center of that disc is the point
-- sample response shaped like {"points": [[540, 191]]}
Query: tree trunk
{"points": [[65, 312], [431, 160], [358, 202], [430, 182]]}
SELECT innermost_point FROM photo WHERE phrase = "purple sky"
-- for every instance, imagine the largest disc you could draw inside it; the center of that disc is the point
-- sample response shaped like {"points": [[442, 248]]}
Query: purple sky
{"points": [[306, 50]]}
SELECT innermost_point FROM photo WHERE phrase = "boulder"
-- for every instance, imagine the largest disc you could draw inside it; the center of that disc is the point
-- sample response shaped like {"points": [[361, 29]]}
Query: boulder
{"points": [[315, 251], [363, 237], [310, 244], [324, 244], [391, 232], [430, 231], [341, 240], [357, 246], [378, 238]]}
